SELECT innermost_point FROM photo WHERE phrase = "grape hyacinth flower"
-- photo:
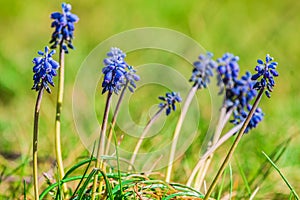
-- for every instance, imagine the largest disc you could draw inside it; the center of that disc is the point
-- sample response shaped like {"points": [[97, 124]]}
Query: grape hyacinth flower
{"points": [[169, 101], [203, 70], [114, 80], [228, 71], [64, 28], [239, 117], [201, 74], [242, 92], [131, 77], [266, 71], [44, 69], [114, 71], [240, 97], [62, 36]]}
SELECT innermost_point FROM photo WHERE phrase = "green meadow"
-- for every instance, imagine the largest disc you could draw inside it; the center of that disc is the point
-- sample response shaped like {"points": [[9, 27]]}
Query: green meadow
{"points": [[248, 29]]}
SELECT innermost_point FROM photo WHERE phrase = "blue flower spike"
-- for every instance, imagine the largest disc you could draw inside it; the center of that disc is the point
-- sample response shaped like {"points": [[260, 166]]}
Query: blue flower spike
{"points": [[242, 92], [44, 69], [240, 117], [114, 71], [169, 101], [265, 73], [64, 28], [228, 71], [239, 97], [131, 77], [203, 70]]}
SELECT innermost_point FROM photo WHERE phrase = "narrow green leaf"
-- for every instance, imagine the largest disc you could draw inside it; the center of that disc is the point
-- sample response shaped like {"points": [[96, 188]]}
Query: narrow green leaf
{"points": [[231, 181], [282, 176], [85, 171], [86, 182], [118, 164], [246, 183], [221, 186]]}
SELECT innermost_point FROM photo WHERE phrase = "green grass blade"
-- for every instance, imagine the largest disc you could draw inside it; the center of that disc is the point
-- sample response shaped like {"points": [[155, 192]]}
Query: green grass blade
{"points": [[118, 164], [231, 181], [263, 172], [126, 183], [85, 171], [24, 189], [51, 187], [85, 184], [282, 176], [246, 183], [182, 194], [14, 171], [221, 186], [108, 186], [181, 187], [73, 168], [58, 195]]}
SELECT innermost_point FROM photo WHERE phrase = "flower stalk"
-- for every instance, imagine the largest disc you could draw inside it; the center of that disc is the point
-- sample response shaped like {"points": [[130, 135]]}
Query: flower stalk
{"points": [[44, 69], [59, 103], [184, 110], [201, 78], [114, 119], [62, 37], [35, 142], [101, 144], [145, 131]]}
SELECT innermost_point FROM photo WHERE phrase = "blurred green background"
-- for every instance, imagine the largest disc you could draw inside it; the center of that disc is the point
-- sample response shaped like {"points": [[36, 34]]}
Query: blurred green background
{"points": [[249, 29]]}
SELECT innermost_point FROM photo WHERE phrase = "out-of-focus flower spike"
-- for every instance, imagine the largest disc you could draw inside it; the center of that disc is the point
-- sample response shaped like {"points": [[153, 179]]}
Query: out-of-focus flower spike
{"points": [[203, 70]]}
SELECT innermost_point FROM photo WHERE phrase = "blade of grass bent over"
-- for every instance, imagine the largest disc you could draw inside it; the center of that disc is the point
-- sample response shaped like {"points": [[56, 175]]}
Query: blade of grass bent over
{"points": [[282, 176]]}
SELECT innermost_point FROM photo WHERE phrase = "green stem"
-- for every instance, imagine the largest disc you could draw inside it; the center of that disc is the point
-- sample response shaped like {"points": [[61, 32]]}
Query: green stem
{"points": [[118, 164], [234, 145], [145, 131], [101, 143], [114, 118], [184, 110], [59, 102], [35, 142]]}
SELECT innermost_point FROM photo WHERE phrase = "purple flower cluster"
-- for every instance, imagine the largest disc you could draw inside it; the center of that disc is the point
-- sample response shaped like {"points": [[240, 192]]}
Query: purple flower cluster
{"points": [[44, 69], [240, 97], [240, 117], [64, 28], [169, 101], [131, 77], [228, 71], [241, 93], [238, 92], [266, 71], [203, 70], [117, 73]]}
